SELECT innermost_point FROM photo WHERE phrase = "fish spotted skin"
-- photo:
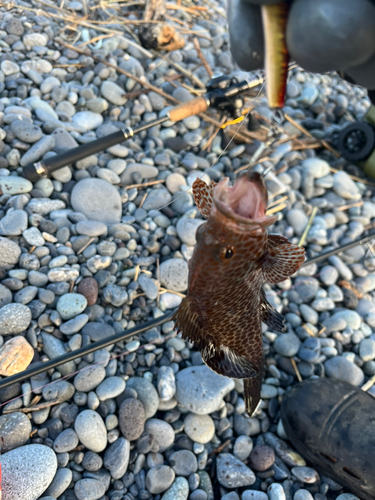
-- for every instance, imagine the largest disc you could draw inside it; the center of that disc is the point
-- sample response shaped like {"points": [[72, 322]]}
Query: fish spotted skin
{"points": [[225, 303]]}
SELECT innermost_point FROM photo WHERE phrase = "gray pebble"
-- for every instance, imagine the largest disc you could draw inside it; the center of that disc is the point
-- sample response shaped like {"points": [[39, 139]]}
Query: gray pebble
{"points": [[88, 379], [91, 430], [14, 318], [159, 479], [201, 390], [110, 388], [174, 274], [147, 394], [15, 430], [287, 344], [232, 473], [183, 462], [89, 489], [342, 369], [66, 441], [98, 200], [116, 457]]}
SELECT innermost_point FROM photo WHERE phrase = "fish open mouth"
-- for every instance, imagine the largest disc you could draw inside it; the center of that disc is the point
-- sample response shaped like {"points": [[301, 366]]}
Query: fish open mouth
{"points": [[245, 201]]}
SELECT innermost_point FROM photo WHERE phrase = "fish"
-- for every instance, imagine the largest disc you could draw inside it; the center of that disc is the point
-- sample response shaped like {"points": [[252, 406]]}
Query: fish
{"points": [[225, 304]]}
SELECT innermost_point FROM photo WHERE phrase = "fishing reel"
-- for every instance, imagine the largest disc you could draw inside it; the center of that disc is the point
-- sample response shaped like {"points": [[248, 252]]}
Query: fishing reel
{"points": [[356, 141], [225, 94]]}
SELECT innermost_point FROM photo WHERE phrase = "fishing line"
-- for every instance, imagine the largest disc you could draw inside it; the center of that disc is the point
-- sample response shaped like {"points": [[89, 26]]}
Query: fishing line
{"points": [[223, 152]]}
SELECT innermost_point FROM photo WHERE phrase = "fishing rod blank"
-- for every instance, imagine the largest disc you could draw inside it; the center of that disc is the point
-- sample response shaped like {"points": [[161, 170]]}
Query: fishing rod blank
{"points": [[343, 248], [37, 171], [70, 356], [216, 96]]}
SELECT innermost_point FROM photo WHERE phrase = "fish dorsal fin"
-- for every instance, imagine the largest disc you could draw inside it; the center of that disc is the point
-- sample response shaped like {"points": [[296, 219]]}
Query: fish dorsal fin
{"points": [[273, 319], [282, 260], [227, 362], [203, 196]]}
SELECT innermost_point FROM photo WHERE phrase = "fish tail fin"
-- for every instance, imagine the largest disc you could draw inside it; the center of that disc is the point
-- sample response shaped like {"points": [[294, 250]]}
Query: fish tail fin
{"points": [[252, 387]]}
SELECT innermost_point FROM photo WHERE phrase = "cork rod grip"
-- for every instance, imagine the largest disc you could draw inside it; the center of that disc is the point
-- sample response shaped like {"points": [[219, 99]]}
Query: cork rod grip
{"points": [[191, 108]]}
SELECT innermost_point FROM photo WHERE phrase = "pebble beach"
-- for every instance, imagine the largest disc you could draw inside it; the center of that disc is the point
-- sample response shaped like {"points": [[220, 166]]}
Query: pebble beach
{"points": [[103, 246]]}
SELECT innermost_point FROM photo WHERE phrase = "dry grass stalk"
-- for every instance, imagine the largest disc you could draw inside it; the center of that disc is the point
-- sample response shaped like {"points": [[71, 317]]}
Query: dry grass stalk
{"points": [[276, 209], [351, 205], [295, 368], [306, 132], [202, 58], [308, 227], [145, 184]]}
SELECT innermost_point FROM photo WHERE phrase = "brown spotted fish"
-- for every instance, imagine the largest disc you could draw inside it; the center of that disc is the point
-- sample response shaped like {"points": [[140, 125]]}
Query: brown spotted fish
{"points": [[225, 303]]}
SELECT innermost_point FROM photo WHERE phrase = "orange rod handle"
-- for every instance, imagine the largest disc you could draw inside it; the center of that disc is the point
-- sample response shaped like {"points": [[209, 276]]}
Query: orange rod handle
{"points": [[191, 108]]}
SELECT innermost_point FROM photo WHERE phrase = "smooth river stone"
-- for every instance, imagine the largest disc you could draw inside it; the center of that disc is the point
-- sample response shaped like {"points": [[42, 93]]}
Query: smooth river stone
{"points": [[98, 200], [10, 184], [15, 356], [27, 472]]}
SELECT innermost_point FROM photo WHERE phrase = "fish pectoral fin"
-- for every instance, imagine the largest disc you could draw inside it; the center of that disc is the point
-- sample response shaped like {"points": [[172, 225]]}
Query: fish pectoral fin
{"points": [[203, 196], [273, 319], [282, 261], [189, 322], [227, 362], [276, 239], [252, 387]]}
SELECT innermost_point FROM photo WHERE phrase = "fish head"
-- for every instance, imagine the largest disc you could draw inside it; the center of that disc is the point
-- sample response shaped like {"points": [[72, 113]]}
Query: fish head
{"points": [[235, 235]]}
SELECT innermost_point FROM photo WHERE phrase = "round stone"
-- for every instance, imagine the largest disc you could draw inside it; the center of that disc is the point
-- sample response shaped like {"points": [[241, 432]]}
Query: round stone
{"points": [[147, 394], [242, 447], [15, 430], [183, 462], [91, 228], [163, 434], [287, 344], [9, 253], [113, 93], [201, 390], [87, 120], [110, 388], [88, 379], [174, 275], [66, 441], [186, 230], [232, 473], [14, 318], [27, 472], [341, 368], [98, 200], [159, 479], [88, 287], [262, 458], [199, 428], [132, 418], [70, 305], [91, 430]]}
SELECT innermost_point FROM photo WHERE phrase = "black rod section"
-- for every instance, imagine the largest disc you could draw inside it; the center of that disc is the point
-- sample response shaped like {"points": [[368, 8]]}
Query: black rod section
{"points": [[38, 170], [70, 356], [343, 248]]}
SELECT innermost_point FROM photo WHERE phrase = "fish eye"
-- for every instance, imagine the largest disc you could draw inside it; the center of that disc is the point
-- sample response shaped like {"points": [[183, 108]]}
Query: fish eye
{"points": [[227, 253]]}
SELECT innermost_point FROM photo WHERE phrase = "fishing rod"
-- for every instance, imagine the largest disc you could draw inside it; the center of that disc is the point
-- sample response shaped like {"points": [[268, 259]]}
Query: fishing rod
{"points": [[222, 93], [118, 337]]}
